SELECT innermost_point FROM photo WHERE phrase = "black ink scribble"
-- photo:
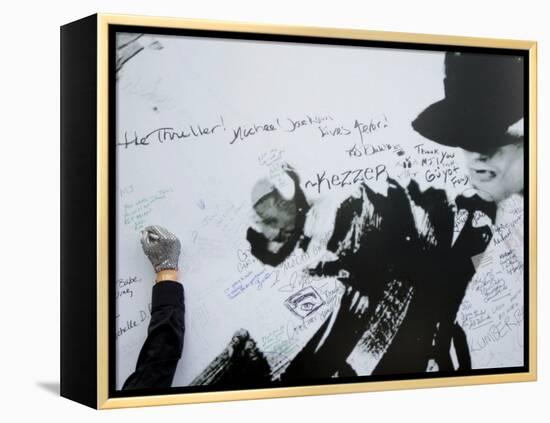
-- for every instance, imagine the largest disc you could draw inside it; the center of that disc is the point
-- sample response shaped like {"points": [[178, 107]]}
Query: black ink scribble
{"points": [[169, 134], [304, 302], [324, 181], [511, 263], [129, 45]]}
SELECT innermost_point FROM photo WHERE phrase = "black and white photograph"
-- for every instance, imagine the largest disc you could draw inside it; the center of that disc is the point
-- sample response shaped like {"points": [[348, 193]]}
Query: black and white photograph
{"points": [[294, 212], [275, 212]]}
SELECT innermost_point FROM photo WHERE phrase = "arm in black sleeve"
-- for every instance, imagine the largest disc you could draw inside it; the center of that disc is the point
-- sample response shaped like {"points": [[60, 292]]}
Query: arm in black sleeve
{"points": [[162, 349]]}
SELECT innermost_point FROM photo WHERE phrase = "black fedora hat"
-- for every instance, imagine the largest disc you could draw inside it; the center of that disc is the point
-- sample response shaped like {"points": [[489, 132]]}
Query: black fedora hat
{"points": [[483, 98]]}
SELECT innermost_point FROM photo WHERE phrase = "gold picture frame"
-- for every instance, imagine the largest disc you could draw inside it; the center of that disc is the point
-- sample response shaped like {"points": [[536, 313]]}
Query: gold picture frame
{"points": [[91, 387]]}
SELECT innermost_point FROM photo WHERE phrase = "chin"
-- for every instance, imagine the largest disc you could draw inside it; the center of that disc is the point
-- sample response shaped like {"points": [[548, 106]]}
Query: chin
{"points": [[488, 194], [483, 195], [495, 196]]}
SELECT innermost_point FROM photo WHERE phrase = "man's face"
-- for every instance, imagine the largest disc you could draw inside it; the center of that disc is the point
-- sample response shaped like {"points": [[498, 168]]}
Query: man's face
{"points": [[497, 174], [276, 217]]}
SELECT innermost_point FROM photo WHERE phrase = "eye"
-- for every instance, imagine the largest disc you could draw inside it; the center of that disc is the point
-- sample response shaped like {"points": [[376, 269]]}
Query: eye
{"points": [[307, 306], [488, 153]]}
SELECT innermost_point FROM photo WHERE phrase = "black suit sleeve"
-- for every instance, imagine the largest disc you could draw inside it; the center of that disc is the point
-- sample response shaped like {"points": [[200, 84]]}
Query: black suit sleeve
{"points": [[162, 349]]}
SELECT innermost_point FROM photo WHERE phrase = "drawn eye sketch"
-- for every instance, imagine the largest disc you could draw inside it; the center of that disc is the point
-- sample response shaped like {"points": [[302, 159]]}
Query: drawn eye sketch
{"points": [[293, 213], [304, 302]]}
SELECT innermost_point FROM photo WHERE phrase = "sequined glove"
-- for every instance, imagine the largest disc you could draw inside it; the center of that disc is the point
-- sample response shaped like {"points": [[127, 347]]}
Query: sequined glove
{"points": [[161, 247]]}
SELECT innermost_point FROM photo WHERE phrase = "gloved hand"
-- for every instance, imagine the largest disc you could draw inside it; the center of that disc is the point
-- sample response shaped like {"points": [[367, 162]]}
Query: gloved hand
{"points": [[161, 247]]}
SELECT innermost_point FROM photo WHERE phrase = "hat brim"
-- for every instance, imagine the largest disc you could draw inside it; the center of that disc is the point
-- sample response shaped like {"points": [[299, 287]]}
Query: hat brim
{"points": [[438, 123], [457, 125]]}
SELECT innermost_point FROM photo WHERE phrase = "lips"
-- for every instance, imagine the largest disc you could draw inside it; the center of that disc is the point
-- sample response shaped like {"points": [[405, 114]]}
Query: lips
{"points": [[482, 174]]}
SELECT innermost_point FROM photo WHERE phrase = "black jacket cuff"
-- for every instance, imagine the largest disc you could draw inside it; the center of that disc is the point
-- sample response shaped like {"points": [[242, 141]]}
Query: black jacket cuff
{"points": [[167, 293]]}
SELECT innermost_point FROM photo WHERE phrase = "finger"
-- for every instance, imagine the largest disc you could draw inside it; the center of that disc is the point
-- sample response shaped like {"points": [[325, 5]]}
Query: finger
{"points": [[146, 238], [166, 233], [346, 296], [345, 300], [365, 304], [354, 300], [358, 305], [152, 238], [155, 229], [143, 237], [150, 228], [160, 232], [361, 305], [163, 232]]}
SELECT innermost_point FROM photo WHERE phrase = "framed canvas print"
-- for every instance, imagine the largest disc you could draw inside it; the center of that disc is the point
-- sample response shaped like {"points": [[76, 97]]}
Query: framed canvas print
{"points": [[254, 211]]}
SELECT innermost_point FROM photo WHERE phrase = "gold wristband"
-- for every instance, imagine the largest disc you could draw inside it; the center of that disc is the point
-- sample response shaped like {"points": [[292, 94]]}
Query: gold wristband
{"points": [[167, 275]]}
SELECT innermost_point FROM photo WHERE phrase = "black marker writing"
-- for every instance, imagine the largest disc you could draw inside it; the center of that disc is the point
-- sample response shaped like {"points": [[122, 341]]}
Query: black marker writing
{"points": [[348, 177]]}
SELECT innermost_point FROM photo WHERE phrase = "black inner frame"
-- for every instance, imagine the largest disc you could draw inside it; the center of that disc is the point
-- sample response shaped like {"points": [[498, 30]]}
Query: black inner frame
{"points": [[113, 29]]}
